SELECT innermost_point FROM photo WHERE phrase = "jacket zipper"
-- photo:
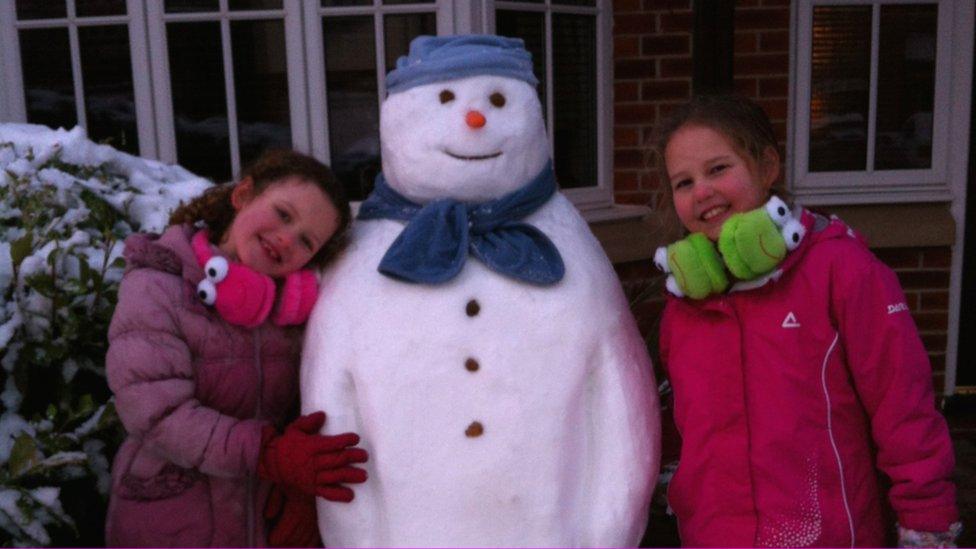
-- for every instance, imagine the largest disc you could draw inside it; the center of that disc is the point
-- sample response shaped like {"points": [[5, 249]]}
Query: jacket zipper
{"points": [[251, 492]]}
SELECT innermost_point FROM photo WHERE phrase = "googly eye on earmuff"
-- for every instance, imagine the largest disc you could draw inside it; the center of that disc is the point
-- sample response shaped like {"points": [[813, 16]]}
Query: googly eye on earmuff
{"points": [[778, 211], [793, 232], [661, 259], [207, 290], [216, 268]]}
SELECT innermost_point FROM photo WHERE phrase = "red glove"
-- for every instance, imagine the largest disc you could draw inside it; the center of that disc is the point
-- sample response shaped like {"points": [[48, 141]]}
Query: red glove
{"points": [[294, 520], [313, 463]]}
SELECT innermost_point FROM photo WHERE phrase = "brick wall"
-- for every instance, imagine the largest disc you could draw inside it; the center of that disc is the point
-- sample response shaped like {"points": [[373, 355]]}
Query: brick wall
{"points": [[653, 73]]}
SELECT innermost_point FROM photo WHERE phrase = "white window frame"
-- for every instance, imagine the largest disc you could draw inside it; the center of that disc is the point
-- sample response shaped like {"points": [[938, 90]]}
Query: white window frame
{"points": [[306, 70], [600, 195], [871, 186]]}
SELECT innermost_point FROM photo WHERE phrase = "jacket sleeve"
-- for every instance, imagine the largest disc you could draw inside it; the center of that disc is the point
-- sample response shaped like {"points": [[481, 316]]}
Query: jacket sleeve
{"points": [[151, 372], [893, 378]]}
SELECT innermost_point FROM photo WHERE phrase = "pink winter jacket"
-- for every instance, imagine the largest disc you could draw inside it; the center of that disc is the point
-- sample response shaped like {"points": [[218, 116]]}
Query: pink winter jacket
{"points": [[193, 393], [790, 396]]}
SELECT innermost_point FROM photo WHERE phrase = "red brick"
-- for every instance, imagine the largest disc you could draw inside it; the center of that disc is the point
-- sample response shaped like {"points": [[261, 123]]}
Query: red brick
{"points": [[923, 279], [775, 108], [628, 158], [634, 113], [779, 126], [934, 301], [634, 69], [667, 5], [677, 21], [899, 258], [934, 343], [776, 2], [927, 321], [770, 41], [676, 67], [774, 87], [639, 198], [651, 180], [658, 90], [626, 46], [626, 6], [938, 381], [762, 64], [625, 181], [635, 24], [745, 42], [635, 270], [746, 87], [937, 257], [938, 365], [762, 18], [626, 137], [626, 91], [671, 44], [746, 3]]}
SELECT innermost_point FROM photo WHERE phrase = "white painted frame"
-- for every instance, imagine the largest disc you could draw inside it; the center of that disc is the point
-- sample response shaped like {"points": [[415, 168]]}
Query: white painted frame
{"points": [[964, 17], [600, 195], [13, 103], [872, 186]]}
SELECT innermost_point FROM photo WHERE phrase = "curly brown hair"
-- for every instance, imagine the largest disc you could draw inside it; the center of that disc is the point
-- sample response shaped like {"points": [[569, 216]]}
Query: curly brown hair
{"points": [[214, 208], [738, 118]]}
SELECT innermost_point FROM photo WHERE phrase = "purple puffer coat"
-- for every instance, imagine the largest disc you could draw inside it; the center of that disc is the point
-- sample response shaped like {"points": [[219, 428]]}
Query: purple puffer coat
{"points": [[193, 393]]}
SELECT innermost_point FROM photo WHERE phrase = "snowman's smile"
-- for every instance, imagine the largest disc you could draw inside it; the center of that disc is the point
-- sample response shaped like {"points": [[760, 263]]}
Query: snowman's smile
{"points": [[472, 157]]}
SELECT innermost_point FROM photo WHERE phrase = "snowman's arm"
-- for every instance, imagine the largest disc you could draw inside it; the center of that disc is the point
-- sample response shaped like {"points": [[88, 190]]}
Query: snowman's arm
{"points": [[624, 439], [328, 384]]}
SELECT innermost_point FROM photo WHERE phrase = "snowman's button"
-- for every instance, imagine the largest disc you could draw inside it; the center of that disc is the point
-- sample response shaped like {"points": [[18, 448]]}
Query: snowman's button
{"points": [[471, 365], [473, 308], [476, 429]]}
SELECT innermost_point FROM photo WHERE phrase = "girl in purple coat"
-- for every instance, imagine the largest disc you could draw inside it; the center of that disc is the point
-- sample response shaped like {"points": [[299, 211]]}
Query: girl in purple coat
{"points": [[203, 361], [796, 367]]}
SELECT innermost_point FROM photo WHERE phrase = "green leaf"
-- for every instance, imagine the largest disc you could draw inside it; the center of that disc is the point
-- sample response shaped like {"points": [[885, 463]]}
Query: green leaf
{"points": [[52, 412], [21, 248], [24, 455]]}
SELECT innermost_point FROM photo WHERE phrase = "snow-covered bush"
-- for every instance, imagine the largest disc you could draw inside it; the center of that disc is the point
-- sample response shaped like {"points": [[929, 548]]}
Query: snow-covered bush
{"points": [[66, 205]]}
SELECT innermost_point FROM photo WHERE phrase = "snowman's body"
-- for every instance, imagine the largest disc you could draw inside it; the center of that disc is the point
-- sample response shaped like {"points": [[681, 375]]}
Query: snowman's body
{"points": [[495, 412]]}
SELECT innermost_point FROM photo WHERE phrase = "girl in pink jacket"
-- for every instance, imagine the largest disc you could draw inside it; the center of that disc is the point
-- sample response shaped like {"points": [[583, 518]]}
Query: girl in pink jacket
{"points": [[203, 362], [797, 371]]}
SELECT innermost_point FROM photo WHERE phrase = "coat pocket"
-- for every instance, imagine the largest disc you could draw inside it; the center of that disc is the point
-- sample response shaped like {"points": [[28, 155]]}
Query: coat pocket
{"points": [[170, 481]]}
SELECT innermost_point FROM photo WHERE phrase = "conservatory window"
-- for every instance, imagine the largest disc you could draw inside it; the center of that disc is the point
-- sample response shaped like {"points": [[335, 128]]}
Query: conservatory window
{"points": [[568, 40], [872, 100], [75, 67]]}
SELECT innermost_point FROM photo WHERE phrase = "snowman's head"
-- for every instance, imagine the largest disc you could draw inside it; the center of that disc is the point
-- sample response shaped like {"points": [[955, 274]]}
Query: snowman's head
{"points": [[471, 133]]}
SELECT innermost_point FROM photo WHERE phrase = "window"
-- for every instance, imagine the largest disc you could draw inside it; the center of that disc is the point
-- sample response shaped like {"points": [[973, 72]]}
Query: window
{"points": [[873, 100], [210, 84], [569, 41]]}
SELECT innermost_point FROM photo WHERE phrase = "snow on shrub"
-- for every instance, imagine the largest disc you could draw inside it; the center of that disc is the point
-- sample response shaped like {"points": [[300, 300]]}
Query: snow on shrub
{"points": [[66, 205]]}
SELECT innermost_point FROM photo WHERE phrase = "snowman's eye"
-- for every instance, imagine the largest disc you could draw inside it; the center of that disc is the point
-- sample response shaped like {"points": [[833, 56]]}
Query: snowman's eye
{"points": [[497, 99], [446, 96]]}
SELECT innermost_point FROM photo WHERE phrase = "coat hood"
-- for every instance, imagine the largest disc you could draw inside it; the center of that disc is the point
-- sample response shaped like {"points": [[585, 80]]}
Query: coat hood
{"points": [[169, 252]]}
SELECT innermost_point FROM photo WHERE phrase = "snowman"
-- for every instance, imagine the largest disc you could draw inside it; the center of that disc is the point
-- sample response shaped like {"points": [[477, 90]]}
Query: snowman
{"points": [[474, 333]]}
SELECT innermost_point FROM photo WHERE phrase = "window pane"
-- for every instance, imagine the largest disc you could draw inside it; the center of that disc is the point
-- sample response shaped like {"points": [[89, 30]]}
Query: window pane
{"points": [[906, 86], [399, 30], [48, 86], [41, 9], [106, 67], [335, 3], [90, 8], [575, 2], [530, 27], [182, 6], [241, 5], [199, 103], [260, 86], [352, 95], [574, 100], [840, 83]]}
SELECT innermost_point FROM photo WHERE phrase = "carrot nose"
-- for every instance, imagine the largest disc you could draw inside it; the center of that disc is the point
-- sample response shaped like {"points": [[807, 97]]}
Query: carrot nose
{"points": [[475, 119]]}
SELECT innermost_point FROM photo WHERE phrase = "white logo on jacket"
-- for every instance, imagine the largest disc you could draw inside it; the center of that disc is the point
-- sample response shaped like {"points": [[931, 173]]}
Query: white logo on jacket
{"points": [[790, 321], [897, 308]]}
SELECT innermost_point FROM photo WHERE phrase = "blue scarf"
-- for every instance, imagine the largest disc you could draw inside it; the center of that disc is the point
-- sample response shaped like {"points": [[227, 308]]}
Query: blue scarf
{"points": [[439, 235]]}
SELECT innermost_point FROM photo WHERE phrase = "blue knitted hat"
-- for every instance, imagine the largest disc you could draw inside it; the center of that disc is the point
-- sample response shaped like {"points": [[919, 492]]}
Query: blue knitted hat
{"points": [[438, 58]]}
